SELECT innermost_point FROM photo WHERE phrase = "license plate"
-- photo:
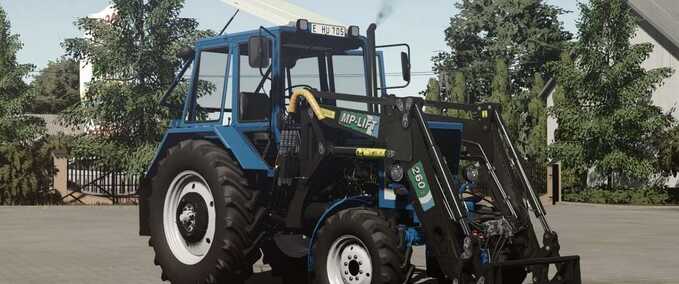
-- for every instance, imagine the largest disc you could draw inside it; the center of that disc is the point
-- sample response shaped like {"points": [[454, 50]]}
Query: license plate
{"points": [[331, 30]]}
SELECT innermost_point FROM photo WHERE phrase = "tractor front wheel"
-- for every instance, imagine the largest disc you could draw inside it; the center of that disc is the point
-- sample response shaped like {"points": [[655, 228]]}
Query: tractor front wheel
{"points": [[203, 216], [358, 245]]}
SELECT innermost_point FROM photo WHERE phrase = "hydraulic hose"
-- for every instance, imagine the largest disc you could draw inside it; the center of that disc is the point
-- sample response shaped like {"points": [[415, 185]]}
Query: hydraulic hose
{"points": [[311, 100]]}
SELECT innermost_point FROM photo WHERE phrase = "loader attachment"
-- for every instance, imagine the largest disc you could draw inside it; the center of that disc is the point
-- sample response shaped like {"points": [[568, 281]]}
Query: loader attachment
{"points": [[496, 243]]}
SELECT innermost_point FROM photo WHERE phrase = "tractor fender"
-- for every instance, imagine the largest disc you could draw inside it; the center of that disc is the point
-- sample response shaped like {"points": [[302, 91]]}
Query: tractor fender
{"points": [[232, 140], [347, 202]]}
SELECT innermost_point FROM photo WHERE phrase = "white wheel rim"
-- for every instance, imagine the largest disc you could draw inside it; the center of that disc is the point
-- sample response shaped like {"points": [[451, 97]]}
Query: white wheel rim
{"points": [[349, 262], [184, 183]]}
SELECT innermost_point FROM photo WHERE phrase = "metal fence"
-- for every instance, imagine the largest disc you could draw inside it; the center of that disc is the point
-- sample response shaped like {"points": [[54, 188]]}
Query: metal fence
{"points": [[537, 174], [90, 177]]}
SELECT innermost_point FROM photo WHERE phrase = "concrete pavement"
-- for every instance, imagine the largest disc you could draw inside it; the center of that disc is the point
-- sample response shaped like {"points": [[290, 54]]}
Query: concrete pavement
{"points": [[73, 244]]}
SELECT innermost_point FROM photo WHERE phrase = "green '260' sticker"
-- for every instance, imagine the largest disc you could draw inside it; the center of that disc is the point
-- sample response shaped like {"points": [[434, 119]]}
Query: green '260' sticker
{"points": [[418, 181]]}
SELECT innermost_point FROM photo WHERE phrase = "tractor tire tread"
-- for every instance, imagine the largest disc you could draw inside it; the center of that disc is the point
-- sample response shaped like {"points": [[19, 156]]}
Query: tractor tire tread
{"points": [[383, 234], [242, 219]]}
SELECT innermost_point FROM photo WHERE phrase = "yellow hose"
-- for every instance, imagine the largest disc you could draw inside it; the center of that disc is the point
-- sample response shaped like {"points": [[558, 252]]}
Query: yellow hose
{"points": [[311, 100]]}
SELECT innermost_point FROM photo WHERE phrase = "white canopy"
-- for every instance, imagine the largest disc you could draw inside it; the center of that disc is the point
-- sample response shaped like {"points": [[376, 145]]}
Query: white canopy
{"points": [[278, 12]]}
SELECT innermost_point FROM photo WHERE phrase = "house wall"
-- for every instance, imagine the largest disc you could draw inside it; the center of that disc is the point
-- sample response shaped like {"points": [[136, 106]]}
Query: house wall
{"points": [[552, 125], [666, 95]]}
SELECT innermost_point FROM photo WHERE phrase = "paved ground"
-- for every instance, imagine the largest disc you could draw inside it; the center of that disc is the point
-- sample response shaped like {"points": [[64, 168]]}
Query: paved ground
{"points": [[100, 245]]}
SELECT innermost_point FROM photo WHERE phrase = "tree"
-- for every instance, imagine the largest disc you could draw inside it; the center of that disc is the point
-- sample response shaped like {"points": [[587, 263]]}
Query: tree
{"points": [[500, 94], [15, 127], [668, 158], [23, 177], [536, 122], [134, 61], [433, 93], [56, 87], [525, 33], [603, 104], [457, 94]]}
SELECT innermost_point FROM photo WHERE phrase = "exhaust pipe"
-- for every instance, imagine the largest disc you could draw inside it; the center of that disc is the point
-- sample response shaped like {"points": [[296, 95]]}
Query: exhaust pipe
{"points": [[372, 62]]}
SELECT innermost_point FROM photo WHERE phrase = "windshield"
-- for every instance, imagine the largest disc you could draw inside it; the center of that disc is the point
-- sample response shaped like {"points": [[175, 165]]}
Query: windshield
{"points": [[327, 64]]}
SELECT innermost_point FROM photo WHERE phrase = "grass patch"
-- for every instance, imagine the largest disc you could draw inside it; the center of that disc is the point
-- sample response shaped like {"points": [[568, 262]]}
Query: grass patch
{"points": [[633, 196]]}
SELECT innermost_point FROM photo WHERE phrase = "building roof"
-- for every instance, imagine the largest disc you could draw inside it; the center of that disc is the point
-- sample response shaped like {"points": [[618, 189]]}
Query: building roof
{"points": [[660, 19], [55, 126]]}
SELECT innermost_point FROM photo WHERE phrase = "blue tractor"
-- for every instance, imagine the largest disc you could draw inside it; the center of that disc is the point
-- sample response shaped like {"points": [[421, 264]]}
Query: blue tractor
{"points": [[290, 150]]}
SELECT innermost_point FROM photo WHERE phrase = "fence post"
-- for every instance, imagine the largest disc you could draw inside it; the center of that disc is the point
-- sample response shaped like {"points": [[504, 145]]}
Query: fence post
{"points": [[114, 186], [60, 177]]}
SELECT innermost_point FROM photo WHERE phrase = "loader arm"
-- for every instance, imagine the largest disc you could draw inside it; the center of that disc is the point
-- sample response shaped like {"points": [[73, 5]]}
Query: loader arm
{"points": [[399, 134]]}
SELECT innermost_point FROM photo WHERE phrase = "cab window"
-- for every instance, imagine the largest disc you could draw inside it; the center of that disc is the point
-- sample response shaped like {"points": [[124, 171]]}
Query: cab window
{"points": [[349, 78], [210, 86], [254, 89], [304, 72]]}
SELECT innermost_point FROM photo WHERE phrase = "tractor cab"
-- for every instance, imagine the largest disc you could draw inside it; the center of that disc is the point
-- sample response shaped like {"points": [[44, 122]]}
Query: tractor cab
{"points": [[243, 81]]}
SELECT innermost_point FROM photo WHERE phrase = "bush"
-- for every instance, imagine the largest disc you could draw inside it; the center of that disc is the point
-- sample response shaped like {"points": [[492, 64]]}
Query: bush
{"points": [[622, 195]]}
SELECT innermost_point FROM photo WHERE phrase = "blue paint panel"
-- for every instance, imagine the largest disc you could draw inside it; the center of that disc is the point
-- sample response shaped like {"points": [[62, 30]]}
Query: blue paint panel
{"points": [[445, 125], [247, 156]]}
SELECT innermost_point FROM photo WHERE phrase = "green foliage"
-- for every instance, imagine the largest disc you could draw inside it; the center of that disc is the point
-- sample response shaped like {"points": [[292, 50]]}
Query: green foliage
{"points": [[458, 95], [500, 94], [636, 196], [24, 172], [15, 127], [455, 95], [458, 91], [433, 93], [603, 104], [525, 33], [56, 87], [536, 122], [12, 85], [134, 61], [500, 84], [668, 158]]}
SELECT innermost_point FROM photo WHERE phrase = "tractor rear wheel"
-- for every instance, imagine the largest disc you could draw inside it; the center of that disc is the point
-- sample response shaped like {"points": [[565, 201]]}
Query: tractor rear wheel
{"points": [[203, 216], [358, 245]]}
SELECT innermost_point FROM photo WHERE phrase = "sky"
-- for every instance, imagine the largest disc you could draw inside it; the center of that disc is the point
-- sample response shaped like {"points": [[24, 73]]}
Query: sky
{"points": [[44, 24]]}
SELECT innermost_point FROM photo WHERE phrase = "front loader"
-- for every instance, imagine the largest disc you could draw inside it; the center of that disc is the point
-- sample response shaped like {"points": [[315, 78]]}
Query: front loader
{"points": [[290, 150]]}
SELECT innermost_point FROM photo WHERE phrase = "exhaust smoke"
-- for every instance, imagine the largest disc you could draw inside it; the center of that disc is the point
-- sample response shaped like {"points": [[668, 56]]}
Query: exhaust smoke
{"points": [[386, 10]]}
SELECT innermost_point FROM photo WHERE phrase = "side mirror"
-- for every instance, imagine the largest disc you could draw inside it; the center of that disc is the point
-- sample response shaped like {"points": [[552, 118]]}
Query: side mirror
{"points": [[405, 66], [388, 54], [186, 53], [259, 52]]}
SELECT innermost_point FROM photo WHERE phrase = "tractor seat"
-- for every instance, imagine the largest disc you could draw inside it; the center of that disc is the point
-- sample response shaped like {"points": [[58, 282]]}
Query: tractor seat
{"points": [[254, 106]]}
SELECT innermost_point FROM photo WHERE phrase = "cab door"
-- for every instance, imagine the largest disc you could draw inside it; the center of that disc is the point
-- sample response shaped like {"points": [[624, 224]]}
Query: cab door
{"points": [[210, 93], [256, 90]]}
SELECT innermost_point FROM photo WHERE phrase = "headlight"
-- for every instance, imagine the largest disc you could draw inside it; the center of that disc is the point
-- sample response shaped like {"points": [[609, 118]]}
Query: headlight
{"points": [[303, 25], [396, 172], [471, 173], [354, 31]]}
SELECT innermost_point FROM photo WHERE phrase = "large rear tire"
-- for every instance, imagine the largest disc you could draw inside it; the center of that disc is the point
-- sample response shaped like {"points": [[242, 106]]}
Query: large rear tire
{"points": [[204, 218], [358, 246]]}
